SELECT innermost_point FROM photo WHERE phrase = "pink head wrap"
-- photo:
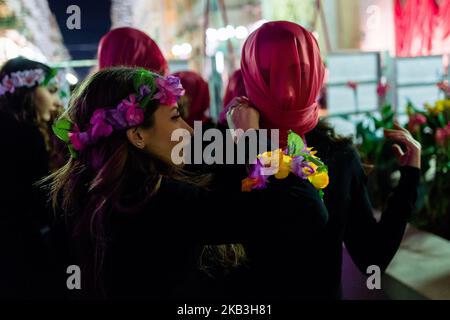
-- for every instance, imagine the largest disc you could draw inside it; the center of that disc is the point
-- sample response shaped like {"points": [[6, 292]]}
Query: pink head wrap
{"points": [[235, 88], [197, 91], [133, 48], [283, 73]]}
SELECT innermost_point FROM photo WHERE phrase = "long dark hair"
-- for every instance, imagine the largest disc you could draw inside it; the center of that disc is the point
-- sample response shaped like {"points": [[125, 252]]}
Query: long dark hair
{"points": [[110, 176], [325, 140]]}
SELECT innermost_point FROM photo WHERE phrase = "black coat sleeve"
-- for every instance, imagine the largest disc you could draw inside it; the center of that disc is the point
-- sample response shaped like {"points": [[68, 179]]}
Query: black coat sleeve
{"points": [[291, 205], [375, 243]]}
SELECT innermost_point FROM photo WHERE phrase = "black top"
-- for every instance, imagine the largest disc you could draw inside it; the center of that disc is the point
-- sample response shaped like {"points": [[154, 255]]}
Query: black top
{"points": [[351, 217], [154, 253], [282, 269], [23, 213]]}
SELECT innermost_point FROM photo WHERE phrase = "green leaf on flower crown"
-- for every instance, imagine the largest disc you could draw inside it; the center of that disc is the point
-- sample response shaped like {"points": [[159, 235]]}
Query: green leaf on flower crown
{"points": [[310, 158], [72, 151], [144, 77], [53, 72], [145, 101], [295, 144], [61, 128]]}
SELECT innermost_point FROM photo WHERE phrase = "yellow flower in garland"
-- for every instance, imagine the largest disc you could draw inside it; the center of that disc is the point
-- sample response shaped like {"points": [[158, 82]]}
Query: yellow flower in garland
{"points": [[297, 159], [277, 161], [319, 180]]}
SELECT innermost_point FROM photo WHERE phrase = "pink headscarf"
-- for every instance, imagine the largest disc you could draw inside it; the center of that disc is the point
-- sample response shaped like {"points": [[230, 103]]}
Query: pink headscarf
{"points": [[130, 47], [283, 73], [197, 91], [235, 88]]}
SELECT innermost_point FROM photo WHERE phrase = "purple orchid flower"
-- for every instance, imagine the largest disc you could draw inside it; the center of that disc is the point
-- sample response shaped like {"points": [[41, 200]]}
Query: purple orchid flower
{"points": [[257, 173], [298, 165], [144, 90], [131, 110], [79, 140], [170, 90], [100, 128]]}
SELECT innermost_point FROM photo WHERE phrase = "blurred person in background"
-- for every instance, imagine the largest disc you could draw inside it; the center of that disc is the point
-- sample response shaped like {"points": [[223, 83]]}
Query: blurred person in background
{"points": [[28, 98]]}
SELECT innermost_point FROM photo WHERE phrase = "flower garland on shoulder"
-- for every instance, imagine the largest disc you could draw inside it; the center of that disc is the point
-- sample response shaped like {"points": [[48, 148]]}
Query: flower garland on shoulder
{"points": [[297, 158]]}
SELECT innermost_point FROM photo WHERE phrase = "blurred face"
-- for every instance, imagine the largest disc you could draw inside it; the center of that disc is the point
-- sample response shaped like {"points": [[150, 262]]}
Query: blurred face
{"points": [[47, 101], [157, 139]]}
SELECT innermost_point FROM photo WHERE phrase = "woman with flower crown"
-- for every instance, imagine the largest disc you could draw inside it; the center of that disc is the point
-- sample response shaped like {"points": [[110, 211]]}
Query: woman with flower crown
{"points": [[283, 74], [136, 224], [28, 97]]}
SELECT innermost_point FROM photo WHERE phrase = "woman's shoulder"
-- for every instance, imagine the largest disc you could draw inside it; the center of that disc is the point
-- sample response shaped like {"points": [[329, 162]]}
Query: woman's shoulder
{"points": [[178, 188]]}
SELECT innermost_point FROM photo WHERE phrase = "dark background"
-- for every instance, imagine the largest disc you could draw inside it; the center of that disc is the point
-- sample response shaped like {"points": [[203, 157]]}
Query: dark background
{"points": [[95, 22]]}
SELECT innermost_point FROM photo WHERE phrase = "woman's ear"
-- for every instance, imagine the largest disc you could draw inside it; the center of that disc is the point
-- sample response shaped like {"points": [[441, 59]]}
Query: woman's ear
{"points": [[135, 137]]}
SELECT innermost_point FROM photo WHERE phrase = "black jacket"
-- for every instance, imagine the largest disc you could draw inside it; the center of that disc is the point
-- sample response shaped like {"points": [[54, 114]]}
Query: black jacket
{"points": [[23, 212]]}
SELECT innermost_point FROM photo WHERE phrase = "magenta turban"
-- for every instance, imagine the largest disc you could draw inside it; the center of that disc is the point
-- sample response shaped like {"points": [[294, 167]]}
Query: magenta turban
{"points": [[283, 73], [132, 48]]}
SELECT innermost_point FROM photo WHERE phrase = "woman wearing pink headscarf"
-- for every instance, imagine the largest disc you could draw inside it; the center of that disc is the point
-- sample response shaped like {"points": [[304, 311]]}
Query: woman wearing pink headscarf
{"points": [[195, 103], [132, 48], [283, 74]]}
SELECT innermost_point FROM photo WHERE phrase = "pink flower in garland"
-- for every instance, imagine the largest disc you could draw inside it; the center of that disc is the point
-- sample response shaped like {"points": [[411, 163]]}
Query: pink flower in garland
{"points": [[170, 90]]}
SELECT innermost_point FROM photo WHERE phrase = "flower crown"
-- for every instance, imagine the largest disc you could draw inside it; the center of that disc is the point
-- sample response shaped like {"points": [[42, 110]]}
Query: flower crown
{"points": [[128, 113], [25, 78]]}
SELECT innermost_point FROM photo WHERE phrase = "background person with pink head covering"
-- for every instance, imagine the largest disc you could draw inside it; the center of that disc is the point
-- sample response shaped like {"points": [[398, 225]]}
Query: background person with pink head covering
{"points": [[235, 88], [283, 74], [194, 106], [132, 48]]}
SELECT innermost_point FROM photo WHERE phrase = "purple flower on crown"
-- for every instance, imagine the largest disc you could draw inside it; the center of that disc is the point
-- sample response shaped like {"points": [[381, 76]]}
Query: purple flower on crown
{"points": [[31, 77], [144, 90], [131, 111], [79, 140], [170, 90], [100, 127], [16, 79]]}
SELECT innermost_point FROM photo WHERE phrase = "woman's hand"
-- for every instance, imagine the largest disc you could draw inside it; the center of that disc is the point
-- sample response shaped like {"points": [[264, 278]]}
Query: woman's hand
{"points": [[410, 156], [241, 115]]}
